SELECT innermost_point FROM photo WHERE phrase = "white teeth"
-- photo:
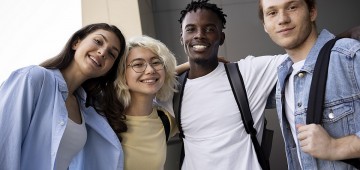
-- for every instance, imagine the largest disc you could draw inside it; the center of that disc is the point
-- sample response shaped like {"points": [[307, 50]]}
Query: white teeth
{"points": [[148, 81], [199, 47], [95, 60]]}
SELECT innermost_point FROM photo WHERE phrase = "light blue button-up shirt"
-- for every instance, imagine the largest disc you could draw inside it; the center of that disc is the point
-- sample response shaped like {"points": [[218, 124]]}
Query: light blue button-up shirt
{"points": [[341, 116], [33, 118]]}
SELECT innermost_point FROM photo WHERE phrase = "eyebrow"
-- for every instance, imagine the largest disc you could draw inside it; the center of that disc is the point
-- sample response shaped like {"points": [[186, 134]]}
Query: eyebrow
{"points": [[143, 58], [114, 48], [286, 4]]}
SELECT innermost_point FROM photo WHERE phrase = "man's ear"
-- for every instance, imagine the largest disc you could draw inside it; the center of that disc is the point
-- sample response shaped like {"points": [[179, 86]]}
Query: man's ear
{"points": [[265, 28], [313, 14], [222, 38], [181, 39]]}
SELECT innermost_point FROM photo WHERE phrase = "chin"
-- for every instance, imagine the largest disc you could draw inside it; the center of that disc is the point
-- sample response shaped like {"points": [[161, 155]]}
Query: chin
{"points": [[290, 44]]}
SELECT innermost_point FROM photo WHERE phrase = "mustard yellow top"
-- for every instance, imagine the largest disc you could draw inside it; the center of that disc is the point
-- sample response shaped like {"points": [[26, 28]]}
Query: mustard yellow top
{"points": [[144, 142]]}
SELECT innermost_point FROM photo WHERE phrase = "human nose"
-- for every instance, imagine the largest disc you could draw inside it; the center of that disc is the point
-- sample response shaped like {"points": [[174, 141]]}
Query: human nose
{"points": [[200, 33], [284, 18], [149, 68], [101, 52]]}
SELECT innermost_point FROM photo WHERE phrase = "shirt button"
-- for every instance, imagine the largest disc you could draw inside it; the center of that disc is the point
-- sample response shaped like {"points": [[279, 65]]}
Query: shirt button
{"points": [[331, 115], [301, 75], [299, 104], [62, 123]]}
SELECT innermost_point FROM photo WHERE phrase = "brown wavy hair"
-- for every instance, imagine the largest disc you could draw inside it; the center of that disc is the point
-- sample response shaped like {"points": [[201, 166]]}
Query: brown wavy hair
{"points": [[100, 90]]}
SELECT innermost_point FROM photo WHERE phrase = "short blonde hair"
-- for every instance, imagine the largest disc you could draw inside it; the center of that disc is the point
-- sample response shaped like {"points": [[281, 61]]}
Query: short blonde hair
{"points": [[158, 48]]}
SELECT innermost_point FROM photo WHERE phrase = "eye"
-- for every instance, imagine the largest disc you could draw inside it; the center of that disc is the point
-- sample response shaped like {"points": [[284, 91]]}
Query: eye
{"points": [[137, 64], [189, 29], [97, 41], [156, 62], [271, 13], [292, 8], [112, 55], [210, 29]]}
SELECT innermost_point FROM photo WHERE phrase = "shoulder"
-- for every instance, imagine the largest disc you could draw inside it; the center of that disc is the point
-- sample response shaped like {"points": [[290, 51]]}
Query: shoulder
{"points": [[261, 60], [161, 109], [33, 72], [347, 46], [32, 76], [261, 64], [166, 106]]}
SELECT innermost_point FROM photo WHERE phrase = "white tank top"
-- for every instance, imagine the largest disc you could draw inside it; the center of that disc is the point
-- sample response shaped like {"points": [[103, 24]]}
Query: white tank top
{"points": [[71, 143]]}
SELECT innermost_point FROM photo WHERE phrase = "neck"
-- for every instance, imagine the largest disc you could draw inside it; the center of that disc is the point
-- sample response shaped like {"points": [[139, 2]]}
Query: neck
{"points": [[198, 69], [72, 80], [300, 52], [140, 106]]}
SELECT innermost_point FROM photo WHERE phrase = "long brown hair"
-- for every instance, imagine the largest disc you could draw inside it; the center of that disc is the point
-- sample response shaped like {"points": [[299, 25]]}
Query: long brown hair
{"points": [[100, 91]]}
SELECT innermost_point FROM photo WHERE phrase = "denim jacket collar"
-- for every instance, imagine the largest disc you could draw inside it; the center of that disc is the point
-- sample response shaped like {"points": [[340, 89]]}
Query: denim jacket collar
{"points": [[309, 64], [324, 37]]}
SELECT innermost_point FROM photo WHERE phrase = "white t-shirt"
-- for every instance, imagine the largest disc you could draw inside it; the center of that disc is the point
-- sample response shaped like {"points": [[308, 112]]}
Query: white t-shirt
{"points": [[215, 137], [290, 102], [72, 142]]}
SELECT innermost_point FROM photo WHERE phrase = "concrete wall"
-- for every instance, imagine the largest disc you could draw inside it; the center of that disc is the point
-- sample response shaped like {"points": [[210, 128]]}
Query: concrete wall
{"points": [[133, 17]]}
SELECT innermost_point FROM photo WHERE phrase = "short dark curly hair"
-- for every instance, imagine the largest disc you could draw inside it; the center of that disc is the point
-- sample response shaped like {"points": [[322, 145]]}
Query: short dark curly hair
{"points": [[203, 4]]}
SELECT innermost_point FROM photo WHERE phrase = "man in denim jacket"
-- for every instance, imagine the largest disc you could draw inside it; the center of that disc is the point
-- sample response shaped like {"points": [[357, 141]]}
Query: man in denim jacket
{"points": [[291, 25]]}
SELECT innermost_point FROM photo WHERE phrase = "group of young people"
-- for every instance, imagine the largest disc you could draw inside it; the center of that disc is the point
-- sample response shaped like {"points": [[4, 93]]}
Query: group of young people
{"points": [[92, 106]]}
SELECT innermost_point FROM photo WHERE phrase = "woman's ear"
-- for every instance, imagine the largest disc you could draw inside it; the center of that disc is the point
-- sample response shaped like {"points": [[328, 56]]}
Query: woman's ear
{"points": [[76, 44]]}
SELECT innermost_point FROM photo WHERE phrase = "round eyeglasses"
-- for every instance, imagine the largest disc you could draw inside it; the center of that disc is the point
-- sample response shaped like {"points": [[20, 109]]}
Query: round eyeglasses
{"points": [[139, 65]]}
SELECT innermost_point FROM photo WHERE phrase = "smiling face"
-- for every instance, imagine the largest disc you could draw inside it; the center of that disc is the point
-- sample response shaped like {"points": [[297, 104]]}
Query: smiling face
{"points": [[201, 35], [151, 79], [96, 53], [289, 23]]}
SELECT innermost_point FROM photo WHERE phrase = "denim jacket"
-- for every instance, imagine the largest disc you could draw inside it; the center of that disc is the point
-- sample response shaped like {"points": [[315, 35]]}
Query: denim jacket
{"points": [[341, 115]]}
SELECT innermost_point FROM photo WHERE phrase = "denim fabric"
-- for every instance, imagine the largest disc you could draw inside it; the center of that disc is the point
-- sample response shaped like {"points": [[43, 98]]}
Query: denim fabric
{"points": [[341, 116]]}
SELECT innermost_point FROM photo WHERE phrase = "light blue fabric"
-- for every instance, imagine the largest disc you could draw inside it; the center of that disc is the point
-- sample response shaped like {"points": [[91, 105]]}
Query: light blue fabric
{"points": [[33, 118], [341, 116]]}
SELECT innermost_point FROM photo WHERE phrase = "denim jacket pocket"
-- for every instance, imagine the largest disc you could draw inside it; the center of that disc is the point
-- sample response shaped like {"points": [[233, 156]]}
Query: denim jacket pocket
{"points": [[338, 120]]}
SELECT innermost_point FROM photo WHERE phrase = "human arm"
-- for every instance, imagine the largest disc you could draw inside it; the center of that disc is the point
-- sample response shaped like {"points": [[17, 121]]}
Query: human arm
{"points": [[186, 66], [351, 33], [182, 68], [16, 109], [315, 141]]}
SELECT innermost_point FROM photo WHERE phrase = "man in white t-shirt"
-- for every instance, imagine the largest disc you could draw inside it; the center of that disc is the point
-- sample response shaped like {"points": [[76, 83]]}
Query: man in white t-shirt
{"points": [[215, 137]]}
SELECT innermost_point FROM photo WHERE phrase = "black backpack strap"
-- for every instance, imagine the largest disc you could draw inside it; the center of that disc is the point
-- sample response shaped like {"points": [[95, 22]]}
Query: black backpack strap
{"points": [[166, 123], [317, 91], [238, 88], [318, 84], [177, 100]]}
